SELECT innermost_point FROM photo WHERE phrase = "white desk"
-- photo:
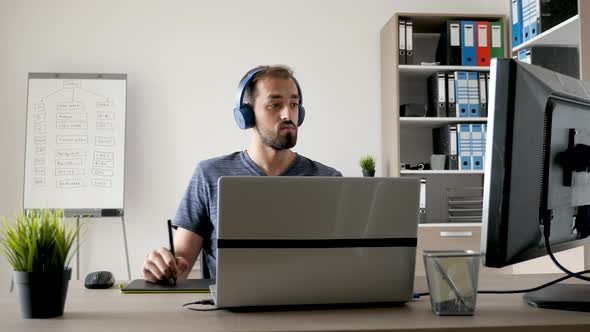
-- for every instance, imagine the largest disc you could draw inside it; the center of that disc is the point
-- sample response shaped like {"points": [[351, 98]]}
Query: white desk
{"points": [[109, 310]]}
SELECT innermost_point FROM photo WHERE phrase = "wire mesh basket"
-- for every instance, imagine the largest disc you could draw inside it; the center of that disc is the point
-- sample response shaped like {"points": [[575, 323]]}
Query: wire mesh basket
{"points": [[452, 280]]}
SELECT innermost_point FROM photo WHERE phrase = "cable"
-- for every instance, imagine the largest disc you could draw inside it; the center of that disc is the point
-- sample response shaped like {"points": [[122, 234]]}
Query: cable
{"points": [[547, 231], [197, 309], [202, 302], [573, 275], [570, 274]]}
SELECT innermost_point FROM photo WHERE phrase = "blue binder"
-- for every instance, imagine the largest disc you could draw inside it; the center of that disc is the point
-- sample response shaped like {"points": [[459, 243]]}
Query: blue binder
{"points": [[462, 94], [526, 16], [485, 140], [531, 12], [477, 146], [473, 94], [468, 52], [535, 17], [516, 14], [464, 146]]}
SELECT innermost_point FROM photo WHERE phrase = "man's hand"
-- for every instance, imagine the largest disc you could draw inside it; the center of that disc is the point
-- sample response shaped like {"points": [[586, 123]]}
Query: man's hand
{"points": [[161, 265]]}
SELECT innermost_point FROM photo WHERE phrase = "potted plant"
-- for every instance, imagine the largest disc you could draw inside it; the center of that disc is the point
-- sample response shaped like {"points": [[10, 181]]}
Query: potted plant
{"points": [[367, 164], [38, 246]]}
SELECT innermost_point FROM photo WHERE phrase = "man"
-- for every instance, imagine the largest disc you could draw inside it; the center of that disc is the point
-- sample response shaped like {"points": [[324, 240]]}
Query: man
{"points": [[269, 101]]}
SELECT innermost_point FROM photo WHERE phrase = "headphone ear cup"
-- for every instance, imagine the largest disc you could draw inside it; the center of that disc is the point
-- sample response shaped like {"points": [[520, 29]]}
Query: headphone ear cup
{"points": [[244, 116], [301, 115]]}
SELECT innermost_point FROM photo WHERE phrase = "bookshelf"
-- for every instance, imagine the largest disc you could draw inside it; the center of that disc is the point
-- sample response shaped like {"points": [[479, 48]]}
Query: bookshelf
{"points": [[401, 135], [409, 139], [427, 30]]}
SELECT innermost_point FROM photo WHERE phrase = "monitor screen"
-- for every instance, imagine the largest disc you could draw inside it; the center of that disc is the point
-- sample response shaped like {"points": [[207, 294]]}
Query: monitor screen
{"points": [[537, 164]]}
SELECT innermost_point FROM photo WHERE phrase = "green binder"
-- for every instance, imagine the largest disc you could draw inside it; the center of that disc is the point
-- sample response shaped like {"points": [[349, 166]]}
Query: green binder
{"points": [[497, 40]]}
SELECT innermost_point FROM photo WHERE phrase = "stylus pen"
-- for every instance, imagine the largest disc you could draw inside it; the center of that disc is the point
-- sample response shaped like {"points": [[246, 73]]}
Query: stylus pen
{"points": [[172, 280]]}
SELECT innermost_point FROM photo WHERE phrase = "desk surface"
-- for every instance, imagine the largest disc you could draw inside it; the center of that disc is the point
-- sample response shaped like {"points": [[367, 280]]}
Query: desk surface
{"points": [[109, 310]]}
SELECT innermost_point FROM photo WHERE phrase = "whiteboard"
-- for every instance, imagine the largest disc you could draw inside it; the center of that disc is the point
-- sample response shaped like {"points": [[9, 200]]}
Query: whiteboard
{"points": [[75, 141]]}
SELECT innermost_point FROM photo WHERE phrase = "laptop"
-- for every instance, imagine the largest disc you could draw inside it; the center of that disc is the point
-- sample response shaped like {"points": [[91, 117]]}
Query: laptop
{"points": [[286, 241]]}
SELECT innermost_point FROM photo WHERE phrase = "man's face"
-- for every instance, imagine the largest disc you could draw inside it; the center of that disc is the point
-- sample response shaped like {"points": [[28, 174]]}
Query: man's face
{"points": [[276, 109]]}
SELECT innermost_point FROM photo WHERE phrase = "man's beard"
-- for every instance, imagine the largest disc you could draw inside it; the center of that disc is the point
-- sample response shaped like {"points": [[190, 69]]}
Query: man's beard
{"points": [[276, 140]]}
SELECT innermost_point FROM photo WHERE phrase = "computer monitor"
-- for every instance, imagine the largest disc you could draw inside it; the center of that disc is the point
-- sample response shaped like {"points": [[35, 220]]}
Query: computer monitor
{"points": [[536, 170]]}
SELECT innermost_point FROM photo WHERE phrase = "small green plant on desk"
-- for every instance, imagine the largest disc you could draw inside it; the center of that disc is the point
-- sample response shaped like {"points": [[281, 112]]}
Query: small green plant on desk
{"points": [[367, 164]]}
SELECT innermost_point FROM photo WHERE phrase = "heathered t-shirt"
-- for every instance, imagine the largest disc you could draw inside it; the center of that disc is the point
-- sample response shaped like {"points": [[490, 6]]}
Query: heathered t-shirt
{"points": [[198, 208]]}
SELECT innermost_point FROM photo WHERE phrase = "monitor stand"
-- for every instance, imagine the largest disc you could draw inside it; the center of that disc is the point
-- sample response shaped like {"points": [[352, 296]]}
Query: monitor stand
{"points": [[574, 297]]}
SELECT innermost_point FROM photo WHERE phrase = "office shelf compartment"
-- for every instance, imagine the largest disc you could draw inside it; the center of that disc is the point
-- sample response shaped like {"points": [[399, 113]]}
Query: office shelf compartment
{"points": [[433, 122], [420, 72], [439, 172], [566, 34]]}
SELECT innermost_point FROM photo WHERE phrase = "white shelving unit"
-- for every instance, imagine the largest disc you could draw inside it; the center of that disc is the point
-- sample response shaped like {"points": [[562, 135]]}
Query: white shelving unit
{"points": [[407, 83], [402, 81], [409, 139], [564, 34]]}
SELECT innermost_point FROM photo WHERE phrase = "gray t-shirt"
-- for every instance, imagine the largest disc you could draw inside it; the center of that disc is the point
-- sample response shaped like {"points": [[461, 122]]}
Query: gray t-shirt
{"points": [[198, 208]]}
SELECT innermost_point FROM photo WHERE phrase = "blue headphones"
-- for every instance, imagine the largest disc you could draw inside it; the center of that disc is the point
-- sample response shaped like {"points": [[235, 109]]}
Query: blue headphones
{"points": [[244, 114]]}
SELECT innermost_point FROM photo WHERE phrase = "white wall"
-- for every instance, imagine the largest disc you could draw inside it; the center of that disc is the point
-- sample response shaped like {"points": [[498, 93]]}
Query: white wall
{"points": [[184, 60]]}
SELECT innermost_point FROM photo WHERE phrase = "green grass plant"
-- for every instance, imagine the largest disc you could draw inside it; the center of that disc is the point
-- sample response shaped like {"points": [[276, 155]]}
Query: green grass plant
{"points": [[38, 241], [368, 163]]}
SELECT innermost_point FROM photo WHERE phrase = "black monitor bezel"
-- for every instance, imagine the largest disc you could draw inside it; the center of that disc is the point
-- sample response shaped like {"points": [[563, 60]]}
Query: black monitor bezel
{"points": [[495, 224]]}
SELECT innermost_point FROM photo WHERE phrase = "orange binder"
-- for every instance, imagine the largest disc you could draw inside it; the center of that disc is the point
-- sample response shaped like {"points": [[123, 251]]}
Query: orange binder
{"points": [[482, 42]]}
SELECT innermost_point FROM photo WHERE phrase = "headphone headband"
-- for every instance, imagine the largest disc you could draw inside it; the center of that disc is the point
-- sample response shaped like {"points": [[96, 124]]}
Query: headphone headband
{"points": [[243, 85]]}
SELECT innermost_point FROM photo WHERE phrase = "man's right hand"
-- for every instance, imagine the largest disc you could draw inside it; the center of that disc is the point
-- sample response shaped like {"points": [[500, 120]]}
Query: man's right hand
{"points": [[161, 265]]}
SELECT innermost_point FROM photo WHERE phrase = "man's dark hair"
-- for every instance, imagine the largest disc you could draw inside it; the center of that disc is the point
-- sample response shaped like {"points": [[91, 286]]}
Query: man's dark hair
{"points": [[266, 72]]}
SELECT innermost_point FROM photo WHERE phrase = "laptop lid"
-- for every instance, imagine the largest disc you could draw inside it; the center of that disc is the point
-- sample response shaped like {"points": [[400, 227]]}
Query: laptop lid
{"points": [[315, 240]]}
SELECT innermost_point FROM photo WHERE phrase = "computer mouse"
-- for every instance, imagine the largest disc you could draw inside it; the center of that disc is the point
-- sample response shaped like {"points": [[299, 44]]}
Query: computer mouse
{"points": [[99, 280]]}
